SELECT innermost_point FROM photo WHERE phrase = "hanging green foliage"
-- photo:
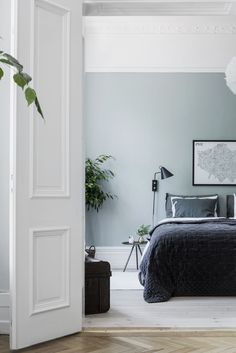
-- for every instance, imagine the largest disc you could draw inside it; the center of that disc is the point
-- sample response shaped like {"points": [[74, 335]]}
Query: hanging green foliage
{"points": [[21, 78]]}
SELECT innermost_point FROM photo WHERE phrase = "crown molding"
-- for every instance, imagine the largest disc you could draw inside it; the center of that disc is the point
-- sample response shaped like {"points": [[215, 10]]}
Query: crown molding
{"points": [[157, 26], [158, 8], [159, 43]]}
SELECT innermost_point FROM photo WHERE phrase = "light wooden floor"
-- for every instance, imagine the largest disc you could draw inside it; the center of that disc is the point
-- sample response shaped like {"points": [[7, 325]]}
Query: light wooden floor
{"points": [[128, 309], [134, 343], [182, 325]]}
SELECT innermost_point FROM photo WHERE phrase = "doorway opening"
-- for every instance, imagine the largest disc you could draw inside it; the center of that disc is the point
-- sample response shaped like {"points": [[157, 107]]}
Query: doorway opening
{"points": [[148, 95]]}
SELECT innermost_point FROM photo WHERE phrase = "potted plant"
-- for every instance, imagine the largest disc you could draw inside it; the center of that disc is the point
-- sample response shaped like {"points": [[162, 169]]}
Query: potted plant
{"points": [[95, 196], [142, 231], [21, 78], [95, 175]]}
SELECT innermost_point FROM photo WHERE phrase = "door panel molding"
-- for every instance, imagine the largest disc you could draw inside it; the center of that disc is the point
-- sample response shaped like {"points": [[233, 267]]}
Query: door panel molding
{"points": [[49, 246], [49, 168]]}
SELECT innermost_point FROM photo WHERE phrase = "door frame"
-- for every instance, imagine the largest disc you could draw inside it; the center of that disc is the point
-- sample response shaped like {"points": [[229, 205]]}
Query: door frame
{"points": [[12, 178]]}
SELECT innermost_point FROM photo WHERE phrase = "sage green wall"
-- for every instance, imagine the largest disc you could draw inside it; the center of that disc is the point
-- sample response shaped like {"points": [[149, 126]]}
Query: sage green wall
{"points": [[145, 120]]}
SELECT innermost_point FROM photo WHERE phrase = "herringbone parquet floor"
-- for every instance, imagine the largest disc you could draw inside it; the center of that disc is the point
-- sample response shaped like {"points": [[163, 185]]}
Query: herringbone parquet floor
{"points": [[135, 343]]}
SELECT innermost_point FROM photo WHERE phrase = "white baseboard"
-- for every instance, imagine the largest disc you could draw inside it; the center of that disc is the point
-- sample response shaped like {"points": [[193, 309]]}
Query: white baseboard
{"points": [[4, 313], [117, 256]]}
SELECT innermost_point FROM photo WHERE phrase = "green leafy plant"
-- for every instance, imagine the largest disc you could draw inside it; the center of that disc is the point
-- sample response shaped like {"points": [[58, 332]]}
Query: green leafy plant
{"points": [[21, 78], [95, 175], [143, 230]]}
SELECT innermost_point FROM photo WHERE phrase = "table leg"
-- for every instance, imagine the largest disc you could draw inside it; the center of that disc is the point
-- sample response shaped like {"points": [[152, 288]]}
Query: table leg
{"points": [[129, 257], [140, 250], [136, 250]]}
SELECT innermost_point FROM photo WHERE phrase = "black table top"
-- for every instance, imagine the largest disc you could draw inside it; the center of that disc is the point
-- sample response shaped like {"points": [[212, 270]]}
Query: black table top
{"points": [[136, 242]]}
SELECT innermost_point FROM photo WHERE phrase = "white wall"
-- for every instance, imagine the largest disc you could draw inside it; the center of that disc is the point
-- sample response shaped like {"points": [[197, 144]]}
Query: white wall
{"points": [[5, 31]]}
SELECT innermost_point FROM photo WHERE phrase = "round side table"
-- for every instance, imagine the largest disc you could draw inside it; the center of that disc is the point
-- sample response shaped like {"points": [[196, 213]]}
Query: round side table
{"points": [[135, 245]]}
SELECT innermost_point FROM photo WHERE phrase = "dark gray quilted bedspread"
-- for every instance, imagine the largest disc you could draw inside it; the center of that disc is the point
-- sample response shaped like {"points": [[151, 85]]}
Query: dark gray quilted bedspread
{"points": [[190, 258]]}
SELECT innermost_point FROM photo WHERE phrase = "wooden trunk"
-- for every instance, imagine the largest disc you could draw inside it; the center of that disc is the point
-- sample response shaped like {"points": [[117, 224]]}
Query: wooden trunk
{"points": [[97, 286]]}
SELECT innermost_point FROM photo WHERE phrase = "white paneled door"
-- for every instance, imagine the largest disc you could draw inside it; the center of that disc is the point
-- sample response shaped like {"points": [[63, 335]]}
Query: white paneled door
{"points": [[47, 174]]}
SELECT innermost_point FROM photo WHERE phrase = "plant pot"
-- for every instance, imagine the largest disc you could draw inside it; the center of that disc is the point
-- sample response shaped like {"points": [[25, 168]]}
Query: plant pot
{"points": [[141, 239]]}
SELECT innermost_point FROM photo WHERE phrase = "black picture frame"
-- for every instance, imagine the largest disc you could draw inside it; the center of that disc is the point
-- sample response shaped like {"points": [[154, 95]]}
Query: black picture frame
{"points": [[207, 174]]}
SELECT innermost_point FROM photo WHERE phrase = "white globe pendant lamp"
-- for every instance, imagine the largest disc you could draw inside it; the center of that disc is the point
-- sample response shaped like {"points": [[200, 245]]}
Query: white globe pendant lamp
{"points": [[230, 75]]}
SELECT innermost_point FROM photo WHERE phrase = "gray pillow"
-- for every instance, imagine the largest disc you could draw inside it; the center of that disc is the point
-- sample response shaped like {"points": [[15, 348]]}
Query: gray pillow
{"points": [[168, 204], [193, 207]]}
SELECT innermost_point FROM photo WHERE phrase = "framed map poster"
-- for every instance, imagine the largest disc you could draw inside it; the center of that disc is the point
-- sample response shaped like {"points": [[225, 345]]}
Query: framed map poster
{"points": [[214, 162]]}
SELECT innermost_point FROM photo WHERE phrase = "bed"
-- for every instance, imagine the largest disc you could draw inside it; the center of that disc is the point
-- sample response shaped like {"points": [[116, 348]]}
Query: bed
{"points": [[190, 257]]}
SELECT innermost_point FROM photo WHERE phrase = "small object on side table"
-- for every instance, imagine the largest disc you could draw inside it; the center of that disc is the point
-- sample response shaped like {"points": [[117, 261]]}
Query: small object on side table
{"points": [[97, 286], [136, 245], [131, 239]]}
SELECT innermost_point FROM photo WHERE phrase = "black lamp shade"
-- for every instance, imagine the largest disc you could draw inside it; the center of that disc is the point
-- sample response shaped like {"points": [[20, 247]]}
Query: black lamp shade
{"points": [[165, 173]]}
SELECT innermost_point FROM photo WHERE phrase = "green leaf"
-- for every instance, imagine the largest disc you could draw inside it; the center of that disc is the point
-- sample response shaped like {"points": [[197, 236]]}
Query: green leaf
{"points": [[1, 73], [5, 61], [27, 77], [30, 95], [13, 61], [20, 80], [38, 107]]}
